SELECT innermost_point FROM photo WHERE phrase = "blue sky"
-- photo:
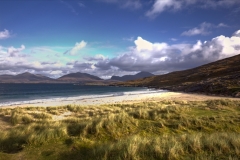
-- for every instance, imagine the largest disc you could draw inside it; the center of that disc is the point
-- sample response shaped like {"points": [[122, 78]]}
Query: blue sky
{"points": [[115, 37]]}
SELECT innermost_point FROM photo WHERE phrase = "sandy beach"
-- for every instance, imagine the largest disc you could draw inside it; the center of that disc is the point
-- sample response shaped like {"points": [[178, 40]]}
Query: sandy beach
{"points": [[122, 99]]}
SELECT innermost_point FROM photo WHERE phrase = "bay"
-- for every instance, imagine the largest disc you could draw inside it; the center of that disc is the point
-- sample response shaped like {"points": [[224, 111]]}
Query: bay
{"points": [[12, 94]]}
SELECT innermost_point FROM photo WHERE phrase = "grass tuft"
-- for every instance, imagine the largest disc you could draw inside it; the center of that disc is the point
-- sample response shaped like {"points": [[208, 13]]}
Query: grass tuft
{"points": [[154, 130]]}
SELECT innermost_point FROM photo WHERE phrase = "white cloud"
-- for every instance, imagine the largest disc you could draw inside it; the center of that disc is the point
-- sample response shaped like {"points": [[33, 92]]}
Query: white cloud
{"points": [[4, 34], [162, 57], [157, 57], [230, 45], [236, 34], [14, 61], [222, 25], [160, 6], [203, 29], [142, 44], [13, 52], [78, 46], [98, 57]]}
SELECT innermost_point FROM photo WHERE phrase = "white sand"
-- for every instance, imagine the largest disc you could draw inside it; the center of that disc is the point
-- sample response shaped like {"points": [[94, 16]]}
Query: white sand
{"points": [[123, 99]]}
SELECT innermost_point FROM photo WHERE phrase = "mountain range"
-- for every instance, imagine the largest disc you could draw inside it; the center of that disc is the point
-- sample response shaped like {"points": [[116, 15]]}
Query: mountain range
{"points": [[24, 78], [79, 78], [217, 78]]}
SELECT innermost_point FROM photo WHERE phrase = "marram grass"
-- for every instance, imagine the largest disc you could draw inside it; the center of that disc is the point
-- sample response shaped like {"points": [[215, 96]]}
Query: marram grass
{"points": [[149, 130]]}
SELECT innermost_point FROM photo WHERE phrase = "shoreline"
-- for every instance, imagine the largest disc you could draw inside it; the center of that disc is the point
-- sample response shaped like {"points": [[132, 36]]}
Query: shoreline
{"points": [[122, 99]]}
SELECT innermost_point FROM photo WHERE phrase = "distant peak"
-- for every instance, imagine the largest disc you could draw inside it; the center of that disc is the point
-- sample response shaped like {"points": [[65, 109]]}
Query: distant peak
{"points": [[139, 75], [24, 73], [144, 72]]}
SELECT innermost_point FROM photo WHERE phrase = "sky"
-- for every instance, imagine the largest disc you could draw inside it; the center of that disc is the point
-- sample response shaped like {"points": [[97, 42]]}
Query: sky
{"points": [[115, 37]]}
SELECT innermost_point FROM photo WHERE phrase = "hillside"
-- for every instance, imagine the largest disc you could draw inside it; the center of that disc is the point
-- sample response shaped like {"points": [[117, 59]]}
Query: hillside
{"points": [[25, 78], [221, 77], [132, 77], [79, 78]]}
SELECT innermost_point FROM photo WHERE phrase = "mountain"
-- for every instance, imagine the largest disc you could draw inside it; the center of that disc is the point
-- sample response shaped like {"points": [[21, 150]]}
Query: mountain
{"points": [[25, 78], [79, 78], [132, 77], [219, 78], [31, 77]]}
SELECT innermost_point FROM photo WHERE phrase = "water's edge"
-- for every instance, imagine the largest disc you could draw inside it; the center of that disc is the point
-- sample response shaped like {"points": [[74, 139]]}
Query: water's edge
{"points": [[84, 92]]}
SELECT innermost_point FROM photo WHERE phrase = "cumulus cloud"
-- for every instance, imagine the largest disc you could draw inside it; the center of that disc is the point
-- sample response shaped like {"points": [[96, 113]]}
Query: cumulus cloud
{"points": [[78, 46], [83, 66], [160, 6], [203, 29], [4, 34], [44, 60], [14, 61], [236, 34], [155, 57], [162, 57], [142, 44], [20, 65], [13, 52], [97, 57]]}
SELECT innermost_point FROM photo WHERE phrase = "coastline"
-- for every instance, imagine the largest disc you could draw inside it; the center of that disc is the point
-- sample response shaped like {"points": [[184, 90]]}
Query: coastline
{"points": [[122, 99]]}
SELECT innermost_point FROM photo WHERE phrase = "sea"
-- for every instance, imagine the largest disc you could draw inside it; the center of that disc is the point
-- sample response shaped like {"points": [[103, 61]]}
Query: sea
{"points": [[17, 94]]}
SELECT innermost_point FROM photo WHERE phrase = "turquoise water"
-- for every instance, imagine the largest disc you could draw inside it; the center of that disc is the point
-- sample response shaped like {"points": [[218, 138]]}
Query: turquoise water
{"points": [[12, 94]]}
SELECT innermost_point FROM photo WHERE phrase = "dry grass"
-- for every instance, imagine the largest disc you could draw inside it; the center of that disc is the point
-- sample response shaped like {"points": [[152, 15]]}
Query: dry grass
{"points": [[154, 130]]}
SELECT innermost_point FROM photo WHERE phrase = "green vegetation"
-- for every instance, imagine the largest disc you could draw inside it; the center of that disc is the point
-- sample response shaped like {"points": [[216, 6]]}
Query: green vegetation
{"points": [[148, 130]]}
